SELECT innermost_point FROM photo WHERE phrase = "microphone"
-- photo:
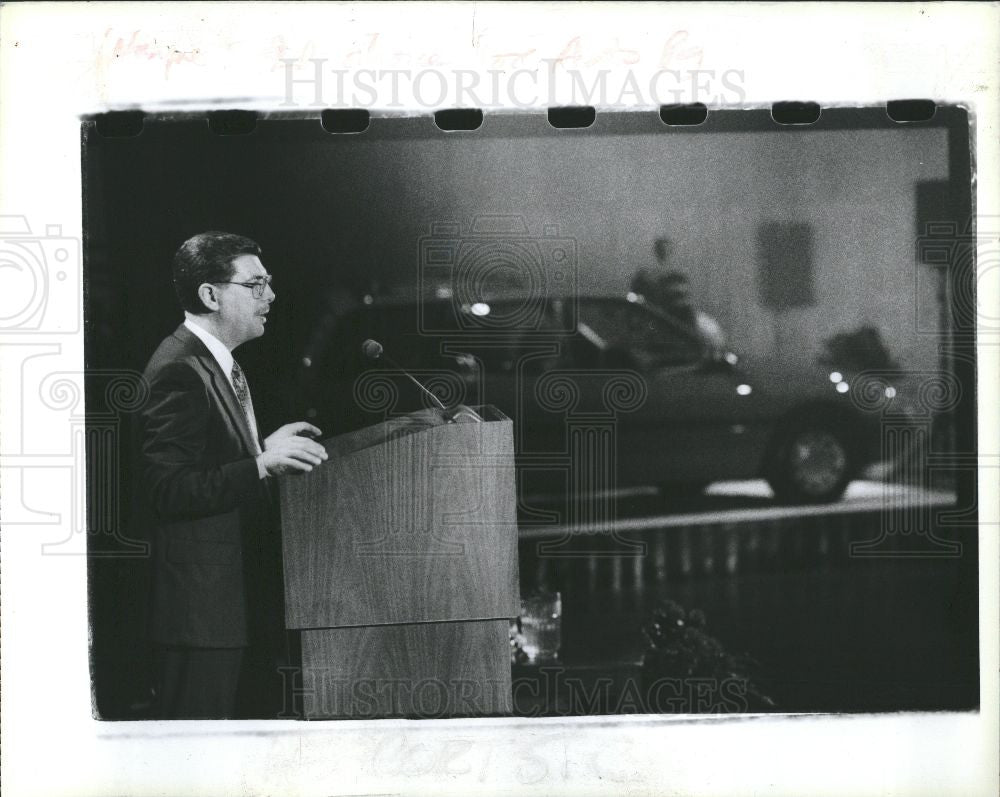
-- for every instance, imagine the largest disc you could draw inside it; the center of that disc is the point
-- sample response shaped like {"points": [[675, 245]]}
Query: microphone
{"points": [[373, 350]]}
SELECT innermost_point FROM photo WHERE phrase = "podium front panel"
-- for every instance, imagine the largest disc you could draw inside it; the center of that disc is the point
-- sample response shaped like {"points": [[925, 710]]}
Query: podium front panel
{"points": [[419, 670], [412, 527]]}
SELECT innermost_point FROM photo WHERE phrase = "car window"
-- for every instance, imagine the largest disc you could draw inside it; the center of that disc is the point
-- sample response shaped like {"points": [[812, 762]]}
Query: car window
{"points": [[535, 336], [625, 330]]}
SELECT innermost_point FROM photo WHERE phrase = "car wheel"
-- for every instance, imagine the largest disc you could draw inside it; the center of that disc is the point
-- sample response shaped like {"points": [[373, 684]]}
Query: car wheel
{"points": [[811, 464]]}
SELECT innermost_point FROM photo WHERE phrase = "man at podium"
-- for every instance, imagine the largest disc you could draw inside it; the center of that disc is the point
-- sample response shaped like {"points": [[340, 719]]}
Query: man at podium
{"points": [[205, 474]]}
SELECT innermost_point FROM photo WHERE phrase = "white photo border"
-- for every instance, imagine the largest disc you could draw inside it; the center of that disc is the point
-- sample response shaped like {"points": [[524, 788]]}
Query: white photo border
{"points": [[61, 61]]}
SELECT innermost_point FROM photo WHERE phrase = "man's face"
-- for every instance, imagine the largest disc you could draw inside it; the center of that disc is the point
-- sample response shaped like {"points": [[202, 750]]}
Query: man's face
{"points": [[242, 316]]}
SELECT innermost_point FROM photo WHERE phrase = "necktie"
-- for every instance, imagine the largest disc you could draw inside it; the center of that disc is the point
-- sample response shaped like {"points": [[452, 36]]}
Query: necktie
{"points": [[243, 394]]}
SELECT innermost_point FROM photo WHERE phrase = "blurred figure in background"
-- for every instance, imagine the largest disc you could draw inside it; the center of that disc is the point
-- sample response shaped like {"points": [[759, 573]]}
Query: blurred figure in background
{"points": [[671, 293]]}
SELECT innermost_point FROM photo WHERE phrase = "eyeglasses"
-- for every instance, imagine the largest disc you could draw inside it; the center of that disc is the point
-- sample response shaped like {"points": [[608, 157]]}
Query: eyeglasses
{"points": [[257, 286]]}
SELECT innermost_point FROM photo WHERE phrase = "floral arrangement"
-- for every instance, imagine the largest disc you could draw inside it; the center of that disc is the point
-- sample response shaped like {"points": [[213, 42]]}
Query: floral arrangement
{"points": [[699, 673]]}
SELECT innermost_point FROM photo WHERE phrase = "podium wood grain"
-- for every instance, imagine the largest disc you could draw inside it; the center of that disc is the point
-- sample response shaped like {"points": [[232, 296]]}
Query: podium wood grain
{"points": [[404, 524], [400, 558], [422, 670]]}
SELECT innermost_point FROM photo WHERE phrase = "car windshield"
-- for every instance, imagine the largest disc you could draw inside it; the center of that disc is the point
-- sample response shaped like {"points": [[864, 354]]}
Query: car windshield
{"points": [[648, 338]]}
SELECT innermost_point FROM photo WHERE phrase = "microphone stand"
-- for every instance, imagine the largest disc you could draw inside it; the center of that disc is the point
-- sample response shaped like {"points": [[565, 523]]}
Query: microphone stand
{"points": [[398, 367], [460, 411]]}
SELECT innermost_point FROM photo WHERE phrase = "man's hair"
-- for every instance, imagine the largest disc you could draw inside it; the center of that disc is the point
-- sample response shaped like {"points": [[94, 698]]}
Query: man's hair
{"points": [[207, 257]]}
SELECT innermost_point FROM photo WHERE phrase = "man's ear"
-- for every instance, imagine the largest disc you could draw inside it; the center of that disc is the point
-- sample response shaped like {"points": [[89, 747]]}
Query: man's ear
{"points": [[209, 296]]}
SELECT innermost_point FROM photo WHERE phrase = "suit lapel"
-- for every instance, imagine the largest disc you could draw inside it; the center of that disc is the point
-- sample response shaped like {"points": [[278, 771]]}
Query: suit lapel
{"points": [[224, 392]]}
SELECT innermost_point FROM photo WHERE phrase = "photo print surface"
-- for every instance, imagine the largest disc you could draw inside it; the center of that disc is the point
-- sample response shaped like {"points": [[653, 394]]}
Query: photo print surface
{"points": [[661, 419]]}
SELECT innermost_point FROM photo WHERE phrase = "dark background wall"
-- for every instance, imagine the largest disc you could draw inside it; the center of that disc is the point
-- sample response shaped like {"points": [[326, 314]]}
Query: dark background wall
{"points": [[787, 236]]}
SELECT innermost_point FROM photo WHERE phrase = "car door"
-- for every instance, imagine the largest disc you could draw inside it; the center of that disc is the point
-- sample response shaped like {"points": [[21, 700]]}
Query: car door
{"points": [[694, 423]]}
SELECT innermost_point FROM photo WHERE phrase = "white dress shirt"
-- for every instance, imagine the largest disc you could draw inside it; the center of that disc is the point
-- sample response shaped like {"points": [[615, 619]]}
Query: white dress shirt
{"points": [[224, 358]]}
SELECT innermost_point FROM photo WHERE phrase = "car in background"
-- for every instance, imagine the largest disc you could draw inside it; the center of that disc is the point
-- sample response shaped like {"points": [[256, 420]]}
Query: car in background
{"points": [[605, 393]]}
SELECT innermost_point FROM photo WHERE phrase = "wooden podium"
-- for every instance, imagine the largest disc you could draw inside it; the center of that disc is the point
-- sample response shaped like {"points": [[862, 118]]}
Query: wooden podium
{"points": [[400, 559]]}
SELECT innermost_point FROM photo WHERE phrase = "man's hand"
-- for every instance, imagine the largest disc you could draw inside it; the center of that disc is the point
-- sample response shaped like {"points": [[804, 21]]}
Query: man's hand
{"points": [[299, 428], [290, 450]]}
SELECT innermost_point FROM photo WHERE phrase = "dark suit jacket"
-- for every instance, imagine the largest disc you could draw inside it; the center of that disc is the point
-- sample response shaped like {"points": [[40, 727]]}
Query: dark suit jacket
{"points": [[209, 512]]}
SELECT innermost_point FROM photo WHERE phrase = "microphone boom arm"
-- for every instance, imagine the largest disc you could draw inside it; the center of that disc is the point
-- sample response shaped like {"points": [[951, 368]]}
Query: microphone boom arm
{"points": [[413, 379]]}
